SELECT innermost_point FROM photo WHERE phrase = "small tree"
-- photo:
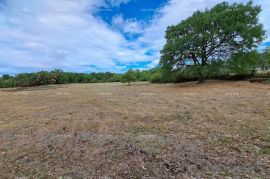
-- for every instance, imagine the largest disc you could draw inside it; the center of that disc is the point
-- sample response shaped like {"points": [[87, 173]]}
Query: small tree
{"points": [[129, 76]]}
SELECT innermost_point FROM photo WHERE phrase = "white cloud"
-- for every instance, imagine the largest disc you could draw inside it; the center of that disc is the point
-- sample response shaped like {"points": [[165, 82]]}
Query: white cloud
{"points": [[177, 10], [265, 16], [43, 35], [130, 26], [117, 2], [61, 34]]}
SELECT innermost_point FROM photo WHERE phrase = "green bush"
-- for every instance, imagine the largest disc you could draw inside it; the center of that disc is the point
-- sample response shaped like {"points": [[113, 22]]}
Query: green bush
{"points": [[191, 73], [9, 83], [244, 64], [216, 70], [129, 76], [156, 77]]}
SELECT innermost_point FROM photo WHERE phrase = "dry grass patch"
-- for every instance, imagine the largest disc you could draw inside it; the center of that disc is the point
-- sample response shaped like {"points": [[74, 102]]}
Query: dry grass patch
{"points": [[213, 129]]}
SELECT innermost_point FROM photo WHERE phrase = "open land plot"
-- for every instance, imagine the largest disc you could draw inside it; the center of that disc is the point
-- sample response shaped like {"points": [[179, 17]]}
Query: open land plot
{"points": [[214, 129]]}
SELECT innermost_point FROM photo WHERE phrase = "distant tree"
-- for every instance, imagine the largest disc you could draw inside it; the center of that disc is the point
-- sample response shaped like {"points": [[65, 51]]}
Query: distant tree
{"points": [[6, 77], [129, 76], [218, 33]]}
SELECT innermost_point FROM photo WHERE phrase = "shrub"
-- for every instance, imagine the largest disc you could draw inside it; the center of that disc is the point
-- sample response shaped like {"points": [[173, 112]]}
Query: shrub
{"points": [[157, 77], [216, 70], [9, 83], [263, 75], [244, 64], [129, 76]]}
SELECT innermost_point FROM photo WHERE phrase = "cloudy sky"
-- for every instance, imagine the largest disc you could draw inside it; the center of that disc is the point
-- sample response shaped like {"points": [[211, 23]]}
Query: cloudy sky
{"points": [[92, 35]]}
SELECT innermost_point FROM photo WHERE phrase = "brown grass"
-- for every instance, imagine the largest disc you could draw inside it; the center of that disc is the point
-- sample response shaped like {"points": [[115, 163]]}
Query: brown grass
{"points": [[214, 129]]}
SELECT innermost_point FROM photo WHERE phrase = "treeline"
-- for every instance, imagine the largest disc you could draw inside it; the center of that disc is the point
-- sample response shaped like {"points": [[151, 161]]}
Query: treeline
{"points": [[240, 67], [61, 77]]}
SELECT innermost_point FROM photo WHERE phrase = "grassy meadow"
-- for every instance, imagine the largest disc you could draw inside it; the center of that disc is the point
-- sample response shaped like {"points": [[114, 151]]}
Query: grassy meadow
{"points": [[111, 130]]}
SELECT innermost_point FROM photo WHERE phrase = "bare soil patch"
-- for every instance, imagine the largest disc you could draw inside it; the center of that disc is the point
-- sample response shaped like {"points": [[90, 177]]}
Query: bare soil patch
{"points": [[214, 129]]}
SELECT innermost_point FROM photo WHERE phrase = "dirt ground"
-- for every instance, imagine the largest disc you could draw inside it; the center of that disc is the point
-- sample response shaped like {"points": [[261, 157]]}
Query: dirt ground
{"points": [[215, 129]]}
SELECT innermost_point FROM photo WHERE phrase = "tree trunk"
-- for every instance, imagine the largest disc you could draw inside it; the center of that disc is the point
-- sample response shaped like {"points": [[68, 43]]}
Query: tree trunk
{"points": [[201, 77]]}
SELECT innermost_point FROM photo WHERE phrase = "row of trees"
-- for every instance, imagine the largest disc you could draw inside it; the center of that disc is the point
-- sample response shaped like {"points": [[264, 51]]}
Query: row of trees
{"points": [[240, 66], [61, 77]]}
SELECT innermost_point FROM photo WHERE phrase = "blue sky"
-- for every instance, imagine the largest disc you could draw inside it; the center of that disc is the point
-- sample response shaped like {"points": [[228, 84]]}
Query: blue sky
{"points": [[92, 35]]}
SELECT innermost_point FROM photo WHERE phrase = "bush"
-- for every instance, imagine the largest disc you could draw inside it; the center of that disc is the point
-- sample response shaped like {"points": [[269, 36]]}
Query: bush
{"points": [[185, 76], [156, 77], [244, 64], [129, 76], [9, 83], [263, 75], [216, 70]]}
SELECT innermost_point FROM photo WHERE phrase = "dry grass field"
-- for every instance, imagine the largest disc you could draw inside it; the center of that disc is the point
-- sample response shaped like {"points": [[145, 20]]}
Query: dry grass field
{"points": [[214, 129]]}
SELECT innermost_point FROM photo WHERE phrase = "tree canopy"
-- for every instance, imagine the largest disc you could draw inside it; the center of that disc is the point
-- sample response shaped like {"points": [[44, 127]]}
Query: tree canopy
{"points": [[129, 76], [218, 33]]}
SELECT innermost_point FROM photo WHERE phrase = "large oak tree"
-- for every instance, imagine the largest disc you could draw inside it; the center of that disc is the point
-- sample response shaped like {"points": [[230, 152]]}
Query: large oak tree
{"points": [[218, 33]]}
